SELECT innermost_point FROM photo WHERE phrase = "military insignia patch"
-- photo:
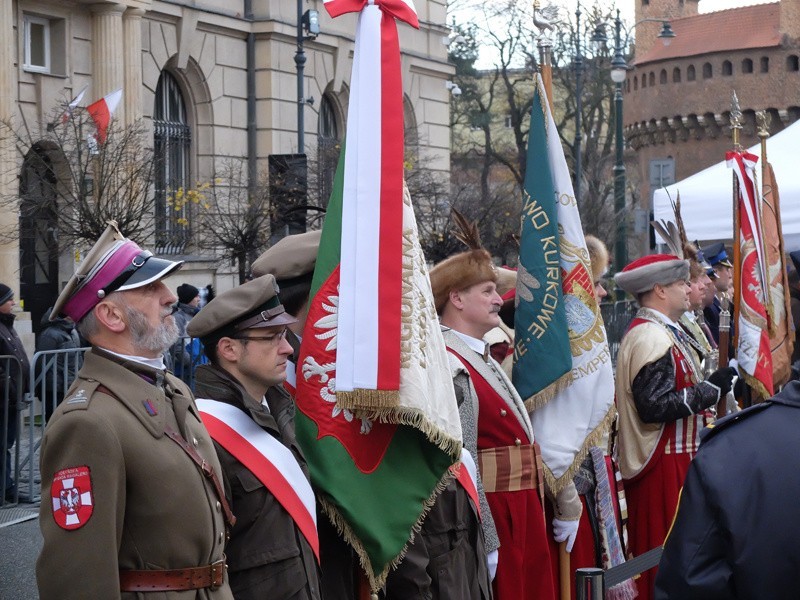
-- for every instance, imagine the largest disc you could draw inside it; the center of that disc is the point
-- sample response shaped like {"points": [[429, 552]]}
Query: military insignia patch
{"points": [[71, 495]]}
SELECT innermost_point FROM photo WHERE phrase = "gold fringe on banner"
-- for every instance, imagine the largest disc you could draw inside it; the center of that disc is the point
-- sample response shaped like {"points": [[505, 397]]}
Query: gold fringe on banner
{"points": [[543, 396]]}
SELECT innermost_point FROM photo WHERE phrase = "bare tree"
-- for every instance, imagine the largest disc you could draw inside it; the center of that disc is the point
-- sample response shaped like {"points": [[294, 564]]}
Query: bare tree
{"points": [[68, 174], [231, 219]]}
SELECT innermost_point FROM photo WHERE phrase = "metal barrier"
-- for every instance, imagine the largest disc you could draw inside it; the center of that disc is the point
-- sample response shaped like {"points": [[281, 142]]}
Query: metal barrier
{"points": [[184, 357], [51, 374], [593, 583], [12, 406]]}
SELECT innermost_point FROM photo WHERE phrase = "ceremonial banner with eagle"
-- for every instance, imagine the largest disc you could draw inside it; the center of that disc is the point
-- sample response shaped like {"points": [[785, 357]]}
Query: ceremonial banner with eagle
{"points": [[377, 415], [562, 363], [752, 285]]}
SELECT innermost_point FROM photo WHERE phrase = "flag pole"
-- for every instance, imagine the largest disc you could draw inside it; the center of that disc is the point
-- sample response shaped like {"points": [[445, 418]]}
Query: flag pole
{"points": [[725, 314], [545, 45]]}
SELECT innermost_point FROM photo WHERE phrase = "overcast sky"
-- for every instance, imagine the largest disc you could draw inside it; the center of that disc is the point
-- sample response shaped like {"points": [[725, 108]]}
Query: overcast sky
{"points": [[465, 10]]}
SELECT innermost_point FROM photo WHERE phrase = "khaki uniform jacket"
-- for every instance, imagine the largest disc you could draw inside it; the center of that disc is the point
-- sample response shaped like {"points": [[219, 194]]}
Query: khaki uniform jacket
{"points": [[151, 506], [268, 556]]}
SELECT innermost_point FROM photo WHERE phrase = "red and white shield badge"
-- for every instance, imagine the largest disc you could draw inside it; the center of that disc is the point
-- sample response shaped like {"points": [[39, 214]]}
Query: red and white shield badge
{"points": [[72, 497]]}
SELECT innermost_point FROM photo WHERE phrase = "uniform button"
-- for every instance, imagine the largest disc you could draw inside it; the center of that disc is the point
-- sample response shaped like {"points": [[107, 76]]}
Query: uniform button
{"points": [[221, 537], [503, 412], [219, 506], [517, 442], [194, 441]]}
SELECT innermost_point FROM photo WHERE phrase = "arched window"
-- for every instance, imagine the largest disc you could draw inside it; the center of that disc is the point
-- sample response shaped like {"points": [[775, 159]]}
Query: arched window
{"points": [[676, 75], [727, 68], [328, 148], [172, 143], [635, 83], [707, 71], [765, 64], [662, 77], [690, 73], [652, 79], [792, 63], [644, 80], [747, 65]]}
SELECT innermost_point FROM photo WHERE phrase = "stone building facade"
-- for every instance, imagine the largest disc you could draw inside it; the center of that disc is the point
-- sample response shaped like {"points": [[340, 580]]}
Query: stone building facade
{"points": [[677, 98], [183, 67]]}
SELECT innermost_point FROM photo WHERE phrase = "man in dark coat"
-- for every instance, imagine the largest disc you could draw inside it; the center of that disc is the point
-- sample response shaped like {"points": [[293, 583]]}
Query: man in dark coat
{"points": [[61, 368], [735, 534], [271, 551], [13, 382]]}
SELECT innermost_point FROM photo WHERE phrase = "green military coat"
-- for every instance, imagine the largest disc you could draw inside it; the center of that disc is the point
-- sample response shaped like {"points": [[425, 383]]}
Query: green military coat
{"points": [[148, 505]]}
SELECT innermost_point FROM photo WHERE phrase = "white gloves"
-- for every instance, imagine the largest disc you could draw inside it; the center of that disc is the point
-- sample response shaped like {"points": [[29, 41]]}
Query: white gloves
{"points": [[565, 530], [491, 563]]}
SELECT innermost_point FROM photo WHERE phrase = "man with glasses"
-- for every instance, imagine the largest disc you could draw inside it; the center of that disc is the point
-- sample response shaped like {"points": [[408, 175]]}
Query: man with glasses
{"points": [[273, 547]]}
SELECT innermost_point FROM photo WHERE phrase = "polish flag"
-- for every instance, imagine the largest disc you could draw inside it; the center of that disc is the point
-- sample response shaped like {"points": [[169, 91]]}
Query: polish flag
{"points": [[102, 111], [73, 104]]}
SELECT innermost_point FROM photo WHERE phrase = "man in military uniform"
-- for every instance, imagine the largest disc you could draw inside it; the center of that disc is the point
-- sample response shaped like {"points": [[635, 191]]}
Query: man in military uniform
{"points": [[291, 260], [271, 553], [662, 400], [736, 530], [131, 495], [497, 429], [717, 257]]}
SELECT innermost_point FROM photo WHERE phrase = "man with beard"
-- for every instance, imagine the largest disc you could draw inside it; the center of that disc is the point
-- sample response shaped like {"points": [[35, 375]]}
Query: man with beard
{"points": [[131, 495], [271, 552], [663, 401]]}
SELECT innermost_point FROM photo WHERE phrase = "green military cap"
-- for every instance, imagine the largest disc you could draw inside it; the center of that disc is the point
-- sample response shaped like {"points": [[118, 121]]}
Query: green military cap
{"points": [[292, 256], [252, 305]]}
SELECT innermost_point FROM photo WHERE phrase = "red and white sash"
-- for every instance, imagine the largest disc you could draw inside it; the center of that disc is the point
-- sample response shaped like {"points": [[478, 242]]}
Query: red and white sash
{"points": [[265, 457], [467, 475]]}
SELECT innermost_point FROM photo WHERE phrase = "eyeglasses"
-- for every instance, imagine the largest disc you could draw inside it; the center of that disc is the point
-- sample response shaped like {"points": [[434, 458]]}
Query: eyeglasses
{"points": [[270, 339]]}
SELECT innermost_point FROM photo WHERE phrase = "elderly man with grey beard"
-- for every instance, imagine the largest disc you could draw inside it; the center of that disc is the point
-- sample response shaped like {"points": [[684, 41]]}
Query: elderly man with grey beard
{"points": [[131, 496]]}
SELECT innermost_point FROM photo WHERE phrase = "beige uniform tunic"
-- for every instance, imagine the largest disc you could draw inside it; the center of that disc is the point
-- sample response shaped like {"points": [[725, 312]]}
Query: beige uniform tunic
{"points": [[149, 505]]}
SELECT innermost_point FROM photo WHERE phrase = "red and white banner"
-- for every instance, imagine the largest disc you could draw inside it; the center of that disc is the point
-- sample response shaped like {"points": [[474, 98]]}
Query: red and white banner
{"points": [[370, 287], [291, 378], [752, 328], [268, 459], [73, 104], [102, 111], [467, 475]]}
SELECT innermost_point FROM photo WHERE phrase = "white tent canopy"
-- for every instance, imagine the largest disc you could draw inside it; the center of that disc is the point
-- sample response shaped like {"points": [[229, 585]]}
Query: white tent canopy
{"points": [[707, 196]]}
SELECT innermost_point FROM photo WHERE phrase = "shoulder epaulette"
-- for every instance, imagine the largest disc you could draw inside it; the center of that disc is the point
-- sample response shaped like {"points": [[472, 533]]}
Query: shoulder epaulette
{"points": [[729, 420], [80, 395]]}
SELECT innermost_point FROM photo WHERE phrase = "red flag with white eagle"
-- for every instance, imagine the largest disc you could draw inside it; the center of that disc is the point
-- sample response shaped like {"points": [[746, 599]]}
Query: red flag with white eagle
{"points": [[753, 351], [102, 111]]}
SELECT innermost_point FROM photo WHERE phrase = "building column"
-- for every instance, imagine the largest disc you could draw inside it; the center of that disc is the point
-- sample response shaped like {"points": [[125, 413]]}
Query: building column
{"points": [[132, 26], [107, 53], [9, 166]]}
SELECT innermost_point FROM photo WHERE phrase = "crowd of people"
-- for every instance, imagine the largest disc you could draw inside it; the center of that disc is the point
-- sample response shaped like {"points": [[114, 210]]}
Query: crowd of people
{"points": [[140, 496]]}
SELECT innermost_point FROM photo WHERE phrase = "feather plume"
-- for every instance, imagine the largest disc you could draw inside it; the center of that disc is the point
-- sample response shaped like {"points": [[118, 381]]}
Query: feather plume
{"points": [[669, 233], [676, 209], [466, 231]]}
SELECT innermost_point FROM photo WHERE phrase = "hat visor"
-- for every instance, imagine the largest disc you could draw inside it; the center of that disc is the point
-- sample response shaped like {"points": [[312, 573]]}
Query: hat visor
{"points": [[152, 270], [283, 318], [725, 263]]}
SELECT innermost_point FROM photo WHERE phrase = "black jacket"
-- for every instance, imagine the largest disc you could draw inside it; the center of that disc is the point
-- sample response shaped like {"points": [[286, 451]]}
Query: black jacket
{"points": [[268, 557], [17, 373], [737, 528], [59, 334]]}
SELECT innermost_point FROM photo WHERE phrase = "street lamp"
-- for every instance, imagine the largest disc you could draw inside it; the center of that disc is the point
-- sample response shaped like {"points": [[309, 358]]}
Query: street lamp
{"points": [[307, 29], [619, 69]]}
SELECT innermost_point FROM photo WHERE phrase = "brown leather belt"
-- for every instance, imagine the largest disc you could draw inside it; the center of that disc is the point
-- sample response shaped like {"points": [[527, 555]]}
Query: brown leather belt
{"points": [[194, 578]]}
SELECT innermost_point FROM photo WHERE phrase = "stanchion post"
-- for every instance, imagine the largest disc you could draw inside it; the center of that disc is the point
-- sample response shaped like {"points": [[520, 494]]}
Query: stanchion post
{"points": [[589, 584]]}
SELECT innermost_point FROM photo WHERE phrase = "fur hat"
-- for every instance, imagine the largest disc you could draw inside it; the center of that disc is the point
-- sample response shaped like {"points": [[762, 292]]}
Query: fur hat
{"points": [[598, 255], [460, 271], [643, 274]]}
